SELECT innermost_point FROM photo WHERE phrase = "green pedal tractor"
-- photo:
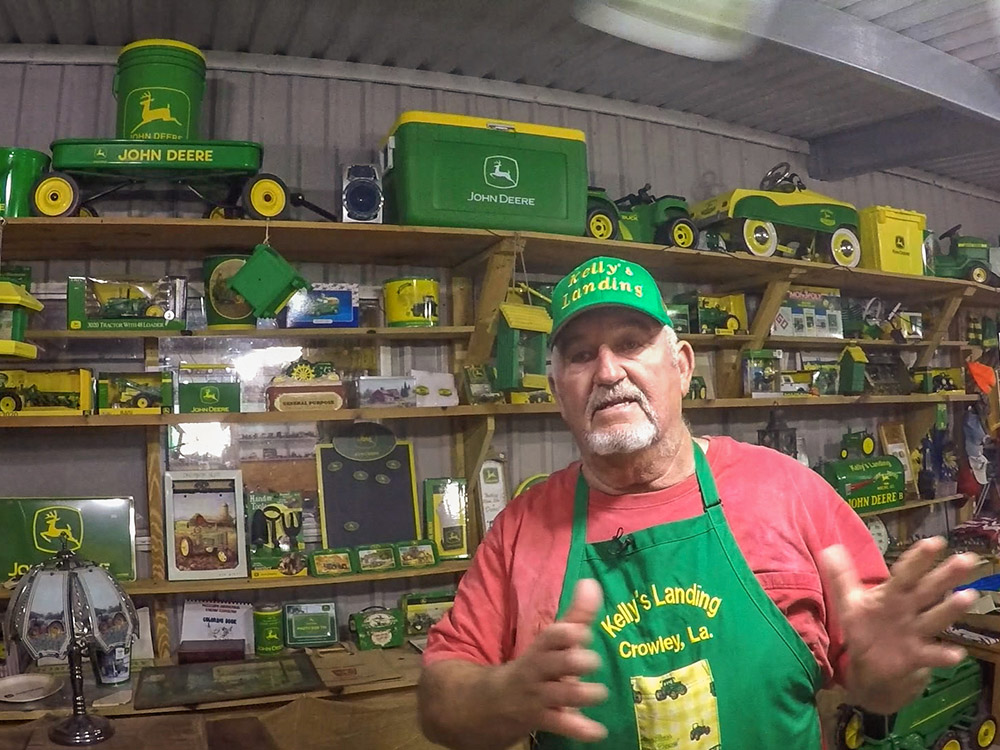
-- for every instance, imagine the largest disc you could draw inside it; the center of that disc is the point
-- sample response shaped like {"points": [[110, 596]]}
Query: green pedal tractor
{"points": [[782, 217], [640, 217], [964, 256]]}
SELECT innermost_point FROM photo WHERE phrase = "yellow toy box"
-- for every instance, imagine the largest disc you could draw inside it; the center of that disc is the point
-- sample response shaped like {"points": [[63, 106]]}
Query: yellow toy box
{"points": [[892, 240]]}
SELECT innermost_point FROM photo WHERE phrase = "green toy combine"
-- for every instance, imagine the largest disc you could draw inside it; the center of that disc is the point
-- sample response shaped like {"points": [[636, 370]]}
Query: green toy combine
{"points": [[782, 217], [640, 217], [159, 85], [946, 716]]}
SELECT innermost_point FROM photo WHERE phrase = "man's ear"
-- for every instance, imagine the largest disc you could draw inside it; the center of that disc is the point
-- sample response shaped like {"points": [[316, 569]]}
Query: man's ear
{"points": [[685, 365]]}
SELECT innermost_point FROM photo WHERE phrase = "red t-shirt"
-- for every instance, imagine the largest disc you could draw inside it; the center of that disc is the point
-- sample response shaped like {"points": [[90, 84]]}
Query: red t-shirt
{"points": [[781, 515]]}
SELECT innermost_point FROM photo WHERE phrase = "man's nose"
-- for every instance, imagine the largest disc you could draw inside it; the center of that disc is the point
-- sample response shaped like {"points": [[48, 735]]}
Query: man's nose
{"points": [[609, 369]]}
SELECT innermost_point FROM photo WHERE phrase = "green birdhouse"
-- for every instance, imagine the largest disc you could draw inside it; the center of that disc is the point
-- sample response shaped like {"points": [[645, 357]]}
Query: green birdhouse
{"points": [[521, 348], [852, 371], [15, 306]]}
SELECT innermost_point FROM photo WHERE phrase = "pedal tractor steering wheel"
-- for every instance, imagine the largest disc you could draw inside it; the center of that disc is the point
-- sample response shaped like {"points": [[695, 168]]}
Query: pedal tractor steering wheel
{"points": [[781, 178]]}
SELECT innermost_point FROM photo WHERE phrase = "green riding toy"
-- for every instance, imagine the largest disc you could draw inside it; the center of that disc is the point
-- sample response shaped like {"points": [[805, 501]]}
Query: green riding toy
{"points": [[782, 217], [640, 217], [964, 257], [159, 85]]}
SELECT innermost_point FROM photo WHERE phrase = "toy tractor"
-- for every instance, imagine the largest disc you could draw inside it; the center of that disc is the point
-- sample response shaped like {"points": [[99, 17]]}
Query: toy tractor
{"points": [[697, 390], [138, 395], [966, 257], [860, 444], [946, 716], [640, 217], [782, 216], [124, 300], [698, 731], [670, 688]]}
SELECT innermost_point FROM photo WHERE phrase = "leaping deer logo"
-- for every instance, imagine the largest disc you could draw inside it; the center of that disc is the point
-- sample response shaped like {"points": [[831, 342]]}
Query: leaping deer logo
{"points": [[500, 172], [53, 532], [153, 114]]}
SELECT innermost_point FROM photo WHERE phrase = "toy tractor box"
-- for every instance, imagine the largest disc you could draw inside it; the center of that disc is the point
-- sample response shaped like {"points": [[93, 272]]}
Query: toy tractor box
{"points": [[450, 170], [720, 314], [892, 239], [207, 389], [477, 385], [680, 317], [938, 379], [98, 529], [421, 610], [274, 523], [306, 386], [809, 311], [323, 306], [124, 393], [871, 483], [96, 304], [30, 393]]}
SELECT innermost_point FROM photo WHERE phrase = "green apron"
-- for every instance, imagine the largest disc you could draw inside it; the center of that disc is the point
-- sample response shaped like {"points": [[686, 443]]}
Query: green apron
{"points": [[694, 653]]}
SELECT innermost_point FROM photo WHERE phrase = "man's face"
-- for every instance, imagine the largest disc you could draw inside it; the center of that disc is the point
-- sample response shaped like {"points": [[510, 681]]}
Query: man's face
{"points": [[617, 384]]}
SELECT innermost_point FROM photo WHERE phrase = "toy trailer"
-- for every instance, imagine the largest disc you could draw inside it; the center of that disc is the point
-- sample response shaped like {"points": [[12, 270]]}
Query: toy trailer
{"points": [[947, 716]]}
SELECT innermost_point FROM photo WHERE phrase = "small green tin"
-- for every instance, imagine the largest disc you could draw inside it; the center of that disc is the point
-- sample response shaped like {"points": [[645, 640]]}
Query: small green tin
{"points": [[378, 627], [267, 630]]}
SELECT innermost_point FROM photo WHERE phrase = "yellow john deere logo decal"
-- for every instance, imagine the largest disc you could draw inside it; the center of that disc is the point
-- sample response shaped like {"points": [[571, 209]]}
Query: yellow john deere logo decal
{"points": [[55, 522], [158, 104], [209, 395], [826, 217]]}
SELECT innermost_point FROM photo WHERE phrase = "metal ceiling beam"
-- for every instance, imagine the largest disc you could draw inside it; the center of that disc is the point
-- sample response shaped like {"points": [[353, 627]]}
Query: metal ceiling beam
{"points": [[969, 96]]}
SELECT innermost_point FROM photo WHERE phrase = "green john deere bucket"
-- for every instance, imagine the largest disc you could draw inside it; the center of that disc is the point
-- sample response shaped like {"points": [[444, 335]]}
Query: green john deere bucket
{"points": [[159, 84], [20, 168]]}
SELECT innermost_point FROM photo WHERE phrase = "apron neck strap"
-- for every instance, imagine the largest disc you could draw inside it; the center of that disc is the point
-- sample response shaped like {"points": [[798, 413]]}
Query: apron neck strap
{"points": [[706, 484]]}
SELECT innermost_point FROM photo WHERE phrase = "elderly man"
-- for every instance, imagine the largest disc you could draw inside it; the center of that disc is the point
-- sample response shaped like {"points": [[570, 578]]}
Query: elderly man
{"points": [[670, 591]]}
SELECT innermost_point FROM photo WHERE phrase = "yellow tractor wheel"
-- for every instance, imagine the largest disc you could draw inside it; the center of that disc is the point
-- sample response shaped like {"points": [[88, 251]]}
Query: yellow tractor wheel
{"points": [[679, 232], [850, 729], [979, 274], [868, 446], [602, 224], [265, 197], [87, 212], [185, 547], [142, 402], [983, 732], [10, 403], [760, 238], [55, 194], [154, 311]]}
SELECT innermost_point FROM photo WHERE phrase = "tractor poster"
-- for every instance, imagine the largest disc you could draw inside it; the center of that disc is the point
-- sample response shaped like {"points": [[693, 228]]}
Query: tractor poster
{"points": [[98, 529]]}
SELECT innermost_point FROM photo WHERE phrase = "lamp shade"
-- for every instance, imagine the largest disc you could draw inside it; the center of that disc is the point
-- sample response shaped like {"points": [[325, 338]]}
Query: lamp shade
{"points": [[66, 598]]}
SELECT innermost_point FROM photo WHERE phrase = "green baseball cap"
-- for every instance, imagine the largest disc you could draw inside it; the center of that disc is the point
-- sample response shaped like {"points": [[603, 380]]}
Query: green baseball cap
{"points": [[606, 282]]}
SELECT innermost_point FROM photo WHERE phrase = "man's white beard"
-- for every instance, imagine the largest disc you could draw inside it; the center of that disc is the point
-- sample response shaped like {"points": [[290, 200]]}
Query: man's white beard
{"points": [[617, 440]]}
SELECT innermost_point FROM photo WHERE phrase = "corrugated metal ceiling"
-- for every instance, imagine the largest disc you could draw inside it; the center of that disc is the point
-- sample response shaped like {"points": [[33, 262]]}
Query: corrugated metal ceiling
{"points": [[776, 88]]}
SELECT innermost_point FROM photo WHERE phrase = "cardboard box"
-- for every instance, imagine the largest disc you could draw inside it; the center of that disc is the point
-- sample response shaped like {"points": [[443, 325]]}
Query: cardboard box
{"points": [[274, 523], [124, 393], [325, 391], [31, 393], [323, 306], [125, 304], [719, 314], [383, 391], [477, 386], [434, 388], [209, 397], [810, 311]]}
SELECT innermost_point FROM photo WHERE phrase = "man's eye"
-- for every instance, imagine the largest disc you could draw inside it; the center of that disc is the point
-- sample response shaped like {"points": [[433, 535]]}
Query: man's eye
{"points": [[580, 356], [629, 345]]}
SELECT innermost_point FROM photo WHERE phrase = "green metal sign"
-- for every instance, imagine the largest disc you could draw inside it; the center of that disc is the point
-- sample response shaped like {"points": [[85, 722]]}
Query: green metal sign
{"points": [[869, 483], [98, 529]]}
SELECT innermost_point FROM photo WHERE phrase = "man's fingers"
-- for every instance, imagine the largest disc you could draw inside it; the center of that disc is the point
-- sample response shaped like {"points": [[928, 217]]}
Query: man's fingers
{"points": [[838, 572], [573, 694], [562, 635], [587, 600], [916, 562], [943, 614], [937, 654], [940, 581], [573, 662], [569, 722]]}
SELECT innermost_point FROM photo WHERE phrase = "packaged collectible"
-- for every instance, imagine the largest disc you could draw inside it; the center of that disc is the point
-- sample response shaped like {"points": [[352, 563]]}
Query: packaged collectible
{"points": [[810, 311], [125, 304], [28, 393], [274, 525], [310, 624], [446, 513], [208, 389], [135, 392], [423, 609], [323, 306], [306, 386], [762, 373]]}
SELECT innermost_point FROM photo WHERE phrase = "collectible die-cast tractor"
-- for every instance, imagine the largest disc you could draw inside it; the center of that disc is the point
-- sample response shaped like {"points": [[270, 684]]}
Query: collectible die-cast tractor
{"points": [[697, 390], [782, 216], [138, 395], [17, 393], [640, 217], [130, 300], [670, 688], [946, 716], [860, 444], [966, 257]]}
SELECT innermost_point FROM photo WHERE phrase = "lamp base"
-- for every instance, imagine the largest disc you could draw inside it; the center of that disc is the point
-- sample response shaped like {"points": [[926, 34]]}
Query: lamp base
{"points": [[82, 729]]}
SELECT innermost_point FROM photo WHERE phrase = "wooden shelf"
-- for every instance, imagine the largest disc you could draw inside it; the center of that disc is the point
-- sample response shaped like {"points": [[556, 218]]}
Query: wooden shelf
{"points": [[449, 412], [160, 588], [147, 238], [815, 342], [911, 505], [411, 335]]}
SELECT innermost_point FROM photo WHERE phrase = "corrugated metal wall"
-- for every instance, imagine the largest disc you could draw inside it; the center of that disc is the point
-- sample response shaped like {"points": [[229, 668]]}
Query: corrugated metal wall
{"points": [[313, 124]]}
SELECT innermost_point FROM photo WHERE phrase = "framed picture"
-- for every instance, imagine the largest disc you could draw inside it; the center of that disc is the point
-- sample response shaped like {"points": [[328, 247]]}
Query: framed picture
{"points": [[893, 437], [206, 537]]}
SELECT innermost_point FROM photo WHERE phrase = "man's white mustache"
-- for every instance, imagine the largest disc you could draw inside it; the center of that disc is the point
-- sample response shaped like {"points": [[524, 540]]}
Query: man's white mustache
{"points": [[602, 396]]}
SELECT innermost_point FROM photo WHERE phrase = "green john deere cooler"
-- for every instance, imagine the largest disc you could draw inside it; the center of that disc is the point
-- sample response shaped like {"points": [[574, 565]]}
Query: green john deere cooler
{"points": [[159, 84], [457, 171]]}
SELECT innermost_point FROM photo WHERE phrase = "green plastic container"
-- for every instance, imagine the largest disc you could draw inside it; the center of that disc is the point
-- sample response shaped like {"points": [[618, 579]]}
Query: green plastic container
{"points": [[456, 171], [224, 308], [159, 84], [267, 281], [20, 169]]}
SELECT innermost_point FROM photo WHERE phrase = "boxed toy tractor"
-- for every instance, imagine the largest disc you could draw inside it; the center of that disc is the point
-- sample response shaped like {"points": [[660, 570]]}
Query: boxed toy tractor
{"points": [[208, 389], [938, 379], [809, 311], [94, 304], [125, 393], [455, 171], [719, 314], [32, 393], [323, 306], [423, 609], [892, 240]]}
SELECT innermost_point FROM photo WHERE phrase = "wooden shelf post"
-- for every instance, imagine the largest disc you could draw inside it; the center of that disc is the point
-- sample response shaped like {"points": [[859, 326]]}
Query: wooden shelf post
{"points": [[497, 279]]}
